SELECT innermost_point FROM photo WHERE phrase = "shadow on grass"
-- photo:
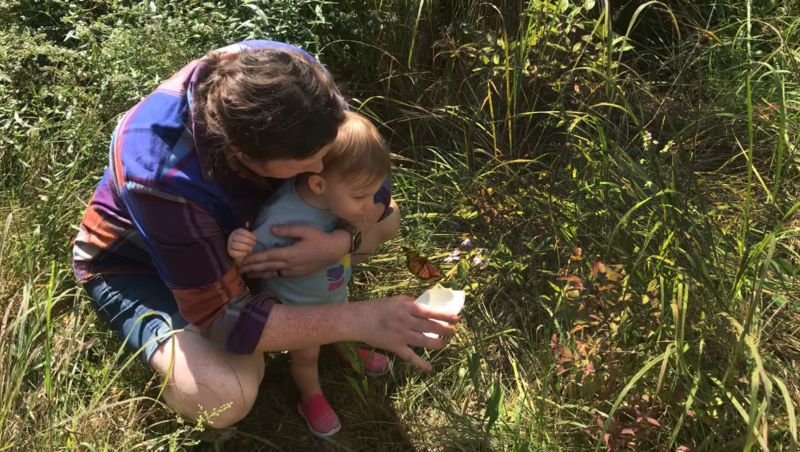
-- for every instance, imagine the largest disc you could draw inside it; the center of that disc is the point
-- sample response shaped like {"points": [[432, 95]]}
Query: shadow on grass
{"points": [[373, 425]]}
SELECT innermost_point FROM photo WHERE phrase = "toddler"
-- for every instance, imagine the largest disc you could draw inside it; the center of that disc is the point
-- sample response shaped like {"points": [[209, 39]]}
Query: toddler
{"points": [[355, 167]]}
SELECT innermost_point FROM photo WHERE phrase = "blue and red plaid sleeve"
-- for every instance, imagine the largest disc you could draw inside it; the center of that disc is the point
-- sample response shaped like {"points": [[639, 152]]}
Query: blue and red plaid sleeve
{"points": [[188, 248]]}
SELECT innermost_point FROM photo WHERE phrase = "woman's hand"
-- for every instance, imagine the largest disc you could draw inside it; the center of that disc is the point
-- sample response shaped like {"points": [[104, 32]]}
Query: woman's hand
{"points": [[396, 324], [314, 250]]}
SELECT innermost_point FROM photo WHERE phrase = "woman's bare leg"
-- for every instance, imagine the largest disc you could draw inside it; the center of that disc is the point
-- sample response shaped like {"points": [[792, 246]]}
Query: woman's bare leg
{"points": [[204, 378]]}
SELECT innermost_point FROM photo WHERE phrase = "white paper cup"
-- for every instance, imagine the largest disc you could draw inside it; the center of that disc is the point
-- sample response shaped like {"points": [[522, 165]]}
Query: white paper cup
{"points": [[442, 300]]}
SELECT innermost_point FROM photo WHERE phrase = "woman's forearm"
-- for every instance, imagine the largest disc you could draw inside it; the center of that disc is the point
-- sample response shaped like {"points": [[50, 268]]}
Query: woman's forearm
{"points": [[293, 327], [394, 324]]}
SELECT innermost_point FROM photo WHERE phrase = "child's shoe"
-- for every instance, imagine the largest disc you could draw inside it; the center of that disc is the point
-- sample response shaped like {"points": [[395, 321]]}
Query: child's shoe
{"points": [[319, 416], [375, 364]]}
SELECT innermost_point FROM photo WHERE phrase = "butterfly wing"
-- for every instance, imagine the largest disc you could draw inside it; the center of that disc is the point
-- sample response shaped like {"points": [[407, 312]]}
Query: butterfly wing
{"points": [[421, 267], [414, 261], [429, 271]]}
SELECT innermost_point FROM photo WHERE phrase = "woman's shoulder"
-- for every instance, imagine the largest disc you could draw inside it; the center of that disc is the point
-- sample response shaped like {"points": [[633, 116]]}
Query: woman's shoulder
{"points": [[153, 152], [151, 138], [255, 44]]}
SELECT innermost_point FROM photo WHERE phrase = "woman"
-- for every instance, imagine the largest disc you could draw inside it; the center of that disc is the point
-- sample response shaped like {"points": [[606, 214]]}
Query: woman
{"points": [[189, 164]]}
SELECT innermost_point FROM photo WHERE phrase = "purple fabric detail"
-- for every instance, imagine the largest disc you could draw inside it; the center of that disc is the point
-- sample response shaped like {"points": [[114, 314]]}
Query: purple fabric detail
{"points": [[251, 322]]}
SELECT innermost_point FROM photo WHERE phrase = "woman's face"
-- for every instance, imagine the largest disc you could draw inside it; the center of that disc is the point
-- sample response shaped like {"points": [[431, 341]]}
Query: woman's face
{"points": [[280, 168]]}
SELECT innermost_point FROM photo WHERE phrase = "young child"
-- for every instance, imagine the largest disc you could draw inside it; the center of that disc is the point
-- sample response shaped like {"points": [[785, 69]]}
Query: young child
{"points": [[355, 167]]}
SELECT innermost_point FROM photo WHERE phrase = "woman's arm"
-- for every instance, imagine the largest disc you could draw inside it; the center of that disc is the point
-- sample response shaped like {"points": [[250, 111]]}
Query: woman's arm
{"points": [[312, 251], [394, 324], [192, 260], [315, 249]]}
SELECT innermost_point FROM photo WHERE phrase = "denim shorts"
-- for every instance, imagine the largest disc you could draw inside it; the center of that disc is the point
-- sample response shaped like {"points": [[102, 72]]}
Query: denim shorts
{"points": [[139, 308]]}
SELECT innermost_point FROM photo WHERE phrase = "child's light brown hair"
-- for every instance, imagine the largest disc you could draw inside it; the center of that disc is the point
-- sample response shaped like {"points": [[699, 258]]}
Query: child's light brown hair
{"points": [[358, 153]]}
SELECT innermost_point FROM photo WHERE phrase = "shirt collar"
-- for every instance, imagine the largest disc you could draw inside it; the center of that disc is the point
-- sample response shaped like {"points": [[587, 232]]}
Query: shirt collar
{"points": [[202, 143], [211, 163]]}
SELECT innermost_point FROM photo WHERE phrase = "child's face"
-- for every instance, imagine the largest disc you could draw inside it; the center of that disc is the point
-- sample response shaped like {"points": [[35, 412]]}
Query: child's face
{"points": [[350, 200]]}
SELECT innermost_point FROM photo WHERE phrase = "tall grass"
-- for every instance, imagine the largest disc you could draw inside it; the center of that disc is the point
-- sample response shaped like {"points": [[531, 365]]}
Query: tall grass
{"points": [[626, 174], [633, 180]]}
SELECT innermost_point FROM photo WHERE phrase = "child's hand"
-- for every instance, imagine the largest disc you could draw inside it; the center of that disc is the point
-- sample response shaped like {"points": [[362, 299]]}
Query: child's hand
{"points": [[240, 244]]}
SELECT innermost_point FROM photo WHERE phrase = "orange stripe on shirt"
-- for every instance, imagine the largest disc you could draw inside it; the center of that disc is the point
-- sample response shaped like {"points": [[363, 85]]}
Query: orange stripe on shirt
{"points": [[201, 305], [100, 232]]}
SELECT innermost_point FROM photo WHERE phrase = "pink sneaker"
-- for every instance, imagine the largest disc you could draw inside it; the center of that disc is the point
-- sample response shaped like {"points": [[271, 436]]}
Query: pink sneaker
{"points": [[319, 416], [375, 364]]}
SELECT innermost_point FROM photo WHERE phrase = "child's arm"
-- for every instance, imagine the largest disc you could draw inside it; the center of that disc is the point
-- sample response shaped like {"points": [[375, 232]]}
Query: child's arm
{"points": [[240, 244]]}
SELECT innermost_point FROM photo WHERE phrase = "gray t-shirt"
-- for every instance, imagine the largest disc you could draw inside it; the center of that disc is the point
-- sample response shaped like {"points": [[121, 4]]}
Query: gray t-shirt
{"points": [[328, 285]]}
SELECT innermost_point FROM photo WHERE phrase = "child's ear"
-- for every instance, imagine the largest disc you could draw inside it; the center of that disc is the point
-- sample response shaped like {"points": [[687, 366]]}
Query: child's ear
{"points": [[317, 184]]}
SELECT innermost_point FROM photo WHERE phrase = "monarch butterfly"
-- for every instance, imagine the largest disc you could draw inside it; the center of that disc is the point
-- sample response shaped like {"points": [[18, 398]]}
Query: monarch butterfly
{"points": [[420, 266]]}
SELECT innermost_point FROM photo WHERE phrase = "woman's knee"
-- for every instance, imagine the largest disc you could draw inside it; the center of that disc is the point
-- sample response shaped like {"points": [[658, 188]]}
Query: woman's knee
{"points": [[205, 383], [234, 399], [227, 414]]}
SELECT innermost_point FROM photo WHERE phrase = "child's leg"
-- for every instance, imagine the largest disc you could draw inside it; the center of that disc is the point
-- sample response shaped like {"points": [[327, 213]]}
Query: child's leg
{"points": [[305, 372], [343, 349], [320, 417], [372, 363]]}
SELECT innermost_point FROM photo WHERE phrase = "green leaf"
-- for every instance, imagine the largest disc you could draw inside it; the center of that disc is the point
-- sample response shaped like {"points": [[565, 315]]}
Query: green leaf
{"points": [[493, 407]]}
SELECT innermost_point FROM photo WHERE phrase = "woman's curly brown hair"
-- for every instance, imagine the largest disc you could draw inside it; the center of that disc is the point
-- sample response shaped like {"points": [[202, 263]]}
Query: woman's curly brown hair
{"points": [[267, 103]]}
